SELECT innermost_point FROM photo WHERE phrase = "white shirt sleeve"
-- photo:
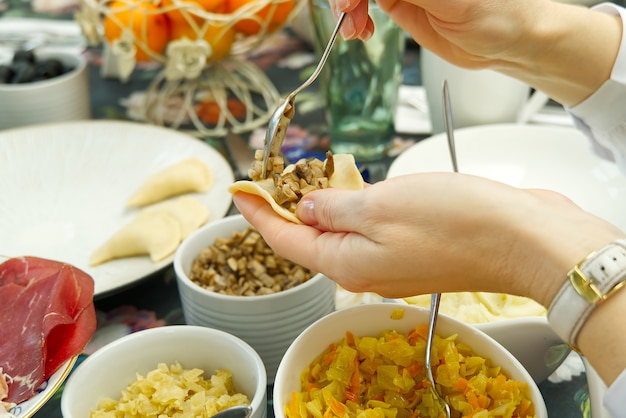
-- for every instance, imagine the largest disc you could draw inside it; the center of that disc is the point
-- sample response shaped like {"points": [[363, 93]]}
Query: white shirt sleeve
{"points": [[602, 116], [614, 397]]}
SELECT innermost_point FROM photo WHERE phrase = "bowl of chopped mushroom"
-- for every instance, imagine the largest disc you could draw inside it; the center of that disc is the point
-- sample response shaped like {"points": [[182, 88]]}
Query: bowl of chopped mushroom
{"points": [[229, 279]]}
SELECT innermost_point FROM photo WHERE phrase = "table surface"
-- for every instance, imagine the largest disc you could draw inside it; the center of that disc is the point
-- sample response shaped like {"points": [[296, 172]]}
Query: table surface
{"points": [[154, 300]]}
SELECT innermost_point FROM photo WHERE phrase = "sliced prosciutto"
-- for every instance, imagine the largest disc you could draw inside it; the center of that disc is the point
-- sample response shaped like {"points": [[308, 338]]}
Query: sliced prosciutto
{"points": [[47, 316]]}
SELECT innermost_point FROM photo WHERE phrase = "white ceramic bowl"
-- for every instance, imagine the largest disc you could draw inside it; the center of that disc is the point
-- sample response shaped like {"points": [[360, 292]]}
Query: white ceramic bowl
{"points": [[529, 338], [57, 99], [269, 323], [532, 341], [371, 320], [114, 366]]}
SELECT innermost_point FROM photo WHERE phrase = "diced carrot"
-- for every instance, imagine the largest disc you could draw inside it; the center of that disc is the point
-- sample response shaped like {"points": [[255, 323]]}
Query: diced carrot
{"points": [[419, 333], [350, 339], [350, 396], [294, 405], [336, 407], [524, 408], [483, 401], [330, 355], [310, 386], [415, 368], [355, 379], [460, 384]]}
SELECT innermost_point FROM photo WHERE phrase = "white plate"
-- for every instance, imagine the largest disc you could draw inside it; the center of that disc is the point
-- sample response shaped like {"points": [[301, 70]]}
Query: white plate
{"points": [[550, 157], [64, 188], [28, 408]]}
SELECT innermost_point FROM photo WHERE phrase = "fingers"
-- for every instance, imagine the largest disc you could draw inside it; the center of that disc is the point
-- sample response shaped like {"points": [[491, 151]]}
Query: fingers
{"points": [[357, 24], [327, 210], [283, 236], [308, 246]]}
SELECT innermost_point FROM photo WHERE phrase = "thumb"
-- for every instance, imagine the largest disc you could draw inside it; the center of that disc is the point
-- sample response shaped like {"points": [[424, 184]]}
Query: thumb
{"points": [[331, 209]]}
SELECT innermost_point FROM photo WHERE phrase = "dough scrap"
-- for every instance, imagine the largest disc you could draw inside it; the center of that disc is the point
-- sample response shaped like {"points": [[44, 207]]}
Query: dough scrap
{"points": [[190, 175], [154, 233], [346, 175]]}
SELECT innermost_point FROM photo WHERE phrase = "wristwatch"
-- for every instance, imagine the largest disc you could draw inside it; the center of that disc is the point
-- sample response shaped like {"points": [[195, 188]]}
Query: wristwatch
{"points": [[592, 281]]}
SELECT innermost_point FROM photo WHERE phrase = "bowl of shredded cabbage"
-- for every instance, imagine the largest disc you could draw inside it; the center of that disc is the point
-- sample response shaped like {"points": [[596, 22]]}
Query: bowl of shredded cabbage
{"points": [[178, 371], [368, 361]]}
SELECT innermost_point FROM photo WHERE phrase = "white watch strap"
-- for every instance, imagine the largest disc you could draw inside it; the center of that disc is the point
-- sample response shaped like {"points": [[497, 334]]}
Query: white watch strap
{"points": [[590, 282]]}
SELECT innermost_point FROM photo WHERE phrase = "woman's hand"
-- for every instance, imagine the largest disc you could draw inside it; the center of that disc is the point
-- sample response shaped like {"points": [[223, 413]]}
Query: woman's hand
{"points": [[428, 233], [541, 42], [469, 33]]}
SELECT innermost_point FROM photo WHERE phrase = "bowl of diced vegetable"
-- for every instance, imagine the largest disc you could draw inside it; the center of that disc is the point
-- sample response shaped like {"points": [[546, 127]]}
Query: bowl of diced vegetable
{"points": [[175, 370], [518, 323], [370, 359]]}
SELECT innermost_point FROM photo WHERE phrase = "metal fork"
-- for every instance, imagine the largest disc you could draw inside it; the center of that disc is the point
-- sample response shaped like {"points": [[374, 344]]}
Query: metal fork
{"points": [[280, 119], [436, 297]]}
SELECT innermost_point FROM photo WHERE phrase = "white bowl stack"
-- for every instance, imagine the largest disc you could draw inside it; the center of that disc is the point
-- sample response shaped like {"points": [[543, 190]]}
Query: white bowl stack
{"points": [[269, 323]]}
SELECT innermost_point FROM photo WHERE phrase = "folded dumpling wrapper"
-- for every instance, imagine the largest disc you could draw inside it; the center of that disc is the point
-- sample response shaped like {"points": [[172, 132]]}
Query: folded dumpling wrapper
{"points": [[346, 175], [190, 175], [188, 211], [155, 233]]}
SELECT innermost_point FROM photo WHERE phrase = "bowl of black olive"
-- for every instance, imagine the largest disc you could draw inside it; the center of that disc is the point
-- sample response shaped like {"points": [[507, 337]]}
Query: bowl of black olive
{"points": [[43, 87]]}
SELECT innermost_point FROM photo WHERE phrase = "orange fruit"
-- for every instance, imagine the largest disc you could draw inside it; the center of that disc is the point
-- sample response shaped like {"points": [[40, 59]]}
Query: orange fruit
{"points": [[210, 112], [150, 27], [175, 15], [277, 13], [220, 38]]}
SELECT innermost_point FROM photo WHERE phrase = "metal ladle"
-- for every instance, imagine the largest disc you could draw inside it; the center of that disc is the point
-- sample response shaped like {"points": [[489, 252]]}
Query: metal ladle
{"points": [[281, 118], [436, 297], [241, 411]]}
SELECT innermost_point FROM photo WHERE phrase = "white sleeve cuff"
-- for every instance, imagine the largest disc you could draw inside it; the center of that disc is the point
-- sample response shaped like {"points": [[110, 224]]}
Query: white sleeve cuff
{"points": [[614, 397], [602, 116], [605, 109]]}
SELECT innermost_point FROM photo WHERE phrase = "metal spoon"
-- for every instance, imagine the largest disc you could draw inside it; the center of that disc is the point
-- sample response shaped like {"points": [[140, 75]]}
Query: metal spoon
{"points": [[280, 119], [436, 297], [241, 411]]}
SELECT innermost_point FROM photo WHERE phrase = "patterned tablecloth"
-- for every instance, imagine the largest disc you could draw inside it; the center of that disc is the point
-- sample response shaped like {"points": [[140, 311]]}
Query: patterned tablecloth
{"points": [[287, 60]]}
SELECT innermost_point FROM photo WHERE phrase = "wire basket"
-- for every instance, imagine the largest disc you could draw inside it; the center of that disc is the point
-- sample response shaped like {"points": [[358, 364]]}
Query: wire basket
{"points": [[206, 85]]}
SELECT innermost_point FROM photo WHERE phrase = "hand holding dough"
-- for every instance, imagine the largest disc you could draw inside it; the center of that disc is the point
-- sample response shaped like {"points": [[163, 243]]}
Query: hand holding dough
{"points": [[346, 175]]}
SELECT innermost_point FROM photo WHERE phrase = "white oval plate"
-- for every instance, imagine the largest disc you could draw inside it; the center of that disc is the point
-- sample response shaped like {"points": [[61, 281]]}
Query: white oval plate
{"points": [[28, 408], [64, 188], [531, 156]]}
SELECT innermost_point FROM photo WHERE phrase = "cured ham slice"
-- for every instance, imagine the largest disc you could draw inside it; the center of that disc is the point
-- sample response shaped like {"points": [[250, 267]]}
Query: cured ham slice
{"points": [[47, 316]]}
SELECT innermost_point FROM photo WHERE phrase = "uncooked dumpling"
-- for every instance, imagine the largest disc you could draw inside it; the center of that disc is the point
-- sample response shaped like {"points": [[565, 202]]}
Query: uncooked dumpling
{"points": [[187, 176], [153, 233], [188, 211], [482, 307], [344, 175]]}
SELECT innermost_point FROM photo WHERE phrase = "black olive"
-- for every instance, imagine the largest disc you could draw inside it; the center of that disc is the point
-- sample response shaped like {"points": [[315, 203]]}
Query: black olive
{"points": [[24, 72], [49, 68], [24, 56], [6, 73]]}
